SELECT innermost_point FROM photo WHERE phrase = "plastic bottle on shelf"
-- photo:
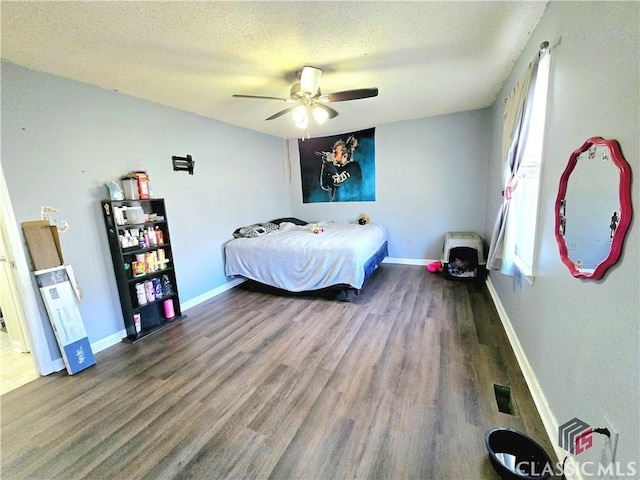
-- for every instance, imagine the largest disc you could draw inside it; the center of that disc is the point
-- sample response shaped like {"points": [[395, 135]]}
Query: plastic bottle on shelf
{"points": [[167, 288], [148, 257], [157, 287], [152, 237], [137, 323], [159, 236]]}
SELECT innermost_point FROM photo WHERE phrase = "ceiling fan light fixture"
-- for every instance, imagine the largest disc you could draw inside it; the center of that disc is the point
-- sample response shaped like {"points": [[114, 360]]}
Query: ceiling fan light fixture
{"points": [[310, 80], [320, 115], [300, 116]]}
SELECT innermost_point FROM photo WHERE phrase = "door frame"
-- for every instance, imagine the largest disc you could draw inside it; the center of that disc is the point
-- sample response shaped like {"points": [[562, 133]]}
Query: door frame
{"points": [[9, 301], [22, 286]]}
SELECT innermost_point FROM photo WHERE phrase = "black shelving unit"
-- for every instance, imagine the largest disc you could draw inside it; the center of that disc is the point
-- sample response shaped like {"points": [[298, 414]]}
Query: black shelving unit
{"points": [[143, 311]]}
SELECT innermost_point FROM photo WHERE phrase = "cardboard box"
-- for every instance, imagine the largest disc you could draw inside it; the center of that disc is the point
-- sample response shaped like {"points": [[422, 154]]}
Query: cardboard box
{"points": [[143, 186], [60, 300], [43, 244]]}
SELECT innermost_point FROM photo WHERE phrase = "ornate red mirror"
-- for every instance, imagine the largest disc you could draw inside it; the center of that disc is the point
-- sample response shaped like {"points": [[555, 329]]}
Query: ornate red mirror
{"points": [[593, 208]]}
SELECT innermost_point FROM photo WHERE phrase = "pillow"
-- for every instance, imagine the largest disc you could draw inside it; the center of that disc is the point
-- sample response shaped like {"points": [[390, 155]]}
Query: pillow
{"points": [[255, 230], [297, 221]]}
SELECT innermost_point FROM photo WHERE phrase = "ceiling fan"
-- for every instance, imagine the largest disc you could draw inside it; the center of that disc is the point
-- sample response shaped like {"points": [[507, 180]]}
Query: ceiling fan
{"points": [[309, 100]]}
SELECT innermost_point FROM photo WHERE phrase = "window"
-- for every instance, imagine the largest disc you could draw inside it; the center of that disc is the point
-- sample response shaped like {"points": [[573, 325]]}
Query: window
{"points": [[524, 218], [513, 240]]}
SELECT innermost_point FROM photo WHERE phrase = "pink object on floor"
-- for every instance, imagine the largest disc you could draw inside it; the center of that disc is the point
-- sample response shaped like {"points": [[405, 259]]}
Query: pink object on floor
{"points": [[435, 266]]}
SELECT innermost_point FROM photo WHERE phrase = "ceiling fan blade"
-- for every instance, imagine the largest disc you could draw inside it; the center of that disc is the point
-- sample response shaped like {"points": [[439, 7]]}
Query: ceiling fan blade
{"points": [[350, 95], [281, 112], [263, 98], [332, 113], [310, 80]]}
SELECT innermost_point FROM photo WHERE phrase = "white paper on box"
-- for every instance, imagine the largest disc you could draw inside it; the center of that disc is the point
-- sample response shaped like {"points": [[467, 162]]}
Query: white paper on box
{"points": [[60, 301]]}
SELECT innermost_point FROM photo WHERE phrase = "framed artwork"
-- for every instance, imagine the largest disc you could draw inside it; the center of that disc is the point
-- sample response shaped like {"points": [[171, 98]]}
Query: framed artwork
{"points": [[338, 168]]}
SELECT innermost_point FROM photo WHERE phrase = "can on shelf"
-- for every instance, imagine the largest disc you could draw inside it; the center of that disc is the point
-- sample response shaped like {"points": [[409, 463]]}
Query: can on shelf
{"points": [[141, 294], [169, 311], [137, 268], [136, 322]]}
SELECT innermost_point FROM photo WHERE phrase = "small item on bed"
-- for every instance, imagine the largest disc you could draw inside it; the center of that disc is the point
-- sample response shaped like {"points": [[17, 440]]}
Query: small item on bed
{"points": [[316, 228], [363, 219], [255, 230]]}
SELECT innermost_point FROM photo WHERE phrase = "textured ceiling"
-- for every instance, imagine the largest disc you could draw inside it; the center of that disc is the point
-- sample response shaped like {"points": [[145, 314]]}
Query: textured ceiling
{"points": [[426, 58]]}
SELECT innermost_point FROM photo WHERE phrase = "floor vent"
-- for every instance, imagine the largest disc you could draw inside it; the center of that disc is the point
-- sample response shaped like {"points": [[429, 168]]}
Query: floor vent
{"points": [[504, 400]]}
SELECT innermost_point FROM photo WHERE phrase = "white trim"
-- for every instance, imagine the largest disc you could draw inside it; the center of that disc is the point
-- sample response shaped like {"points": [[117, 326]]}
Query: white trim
{"points": [[408, 261], [108, 341], [28, 309], [210, 294], [548, 418]]}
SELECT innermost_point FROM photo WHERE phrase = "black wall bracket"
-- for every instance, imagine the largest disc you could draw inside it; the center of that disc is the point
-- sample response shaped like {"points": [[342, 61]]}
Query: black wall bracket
{"points": [[183, 164]]}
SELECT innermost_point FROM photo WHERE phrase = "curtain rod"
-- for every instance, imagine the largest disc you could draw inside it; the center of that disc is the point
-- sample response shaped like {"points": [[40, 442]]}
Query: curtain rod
{"points": [[544, 46]]}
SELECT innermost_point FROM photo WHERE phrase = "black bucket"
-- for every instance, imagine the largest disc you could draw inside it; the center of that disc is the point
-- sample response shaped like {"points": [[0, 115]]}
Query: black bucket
{"points": [[516, 456]]}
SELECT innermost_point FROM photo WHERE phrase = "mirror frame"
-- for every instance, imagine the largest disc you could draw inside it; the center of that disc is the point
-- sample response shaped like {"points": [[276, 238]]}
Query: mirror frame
{"points": [[624, 194]]}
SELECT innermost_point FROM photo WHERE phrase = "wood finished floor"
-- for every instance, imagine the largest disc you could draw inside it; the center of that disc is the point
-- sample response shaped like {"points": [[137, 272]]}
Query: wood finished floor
{"points": [[396, 384], [16, 369]]}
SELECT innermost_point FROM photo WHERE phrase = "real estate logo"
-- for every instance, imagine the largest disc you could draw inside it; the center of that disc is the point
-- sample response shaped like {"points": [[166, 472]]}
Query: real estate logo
{"points": [[575, 436]]}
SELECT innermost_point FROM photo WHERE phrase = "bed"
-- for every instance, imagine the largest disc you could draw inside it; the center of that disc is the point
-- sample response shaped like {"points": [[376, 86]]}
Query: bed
{"points": [[289, 256]]}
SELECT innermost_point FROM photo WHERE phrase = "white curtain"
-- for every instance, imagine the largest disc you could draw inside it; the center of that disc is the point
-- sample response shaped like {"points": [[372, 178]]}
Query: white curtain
{"points": [[514, 135]]}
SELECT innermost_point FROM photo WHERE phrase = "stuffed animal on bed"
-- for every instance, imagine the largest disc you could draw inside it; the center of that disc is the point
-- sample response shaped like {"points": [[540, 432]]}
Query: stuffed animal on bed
{"points": [[316, 228], [363, 219]]}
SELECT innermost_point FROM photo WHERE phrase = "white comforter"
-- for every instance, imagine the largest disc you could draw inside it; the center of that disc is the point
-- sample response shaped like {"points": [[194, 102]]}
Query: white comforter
{"points": [[295, 259]]}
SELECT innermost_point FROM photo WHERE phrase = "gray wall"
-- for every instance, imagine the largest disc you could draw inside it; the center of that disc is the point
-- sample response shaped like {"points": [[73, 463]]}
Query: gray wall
{"points": [[581, 336], [62, 140], [428, 182]]}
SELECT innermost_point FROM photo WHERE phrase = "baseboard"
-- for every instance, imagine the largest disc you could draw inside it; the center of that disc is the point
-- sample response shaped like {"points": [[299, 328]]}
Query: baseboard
{"points": [[211, 293], [108, 341], [408, 261], [548, 418]]}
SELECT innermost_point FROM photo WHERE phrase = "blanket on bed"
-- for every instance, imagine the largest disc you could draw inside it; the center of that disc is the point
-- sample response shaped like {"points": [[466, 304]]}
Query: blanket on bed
{"points": [[295, 259]]}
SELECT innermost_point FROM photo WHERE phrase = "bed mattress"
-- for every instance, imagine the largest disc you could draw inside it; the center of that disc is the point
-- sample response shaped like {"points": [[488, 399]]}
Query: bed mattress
{"points": [[294, 258]]}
